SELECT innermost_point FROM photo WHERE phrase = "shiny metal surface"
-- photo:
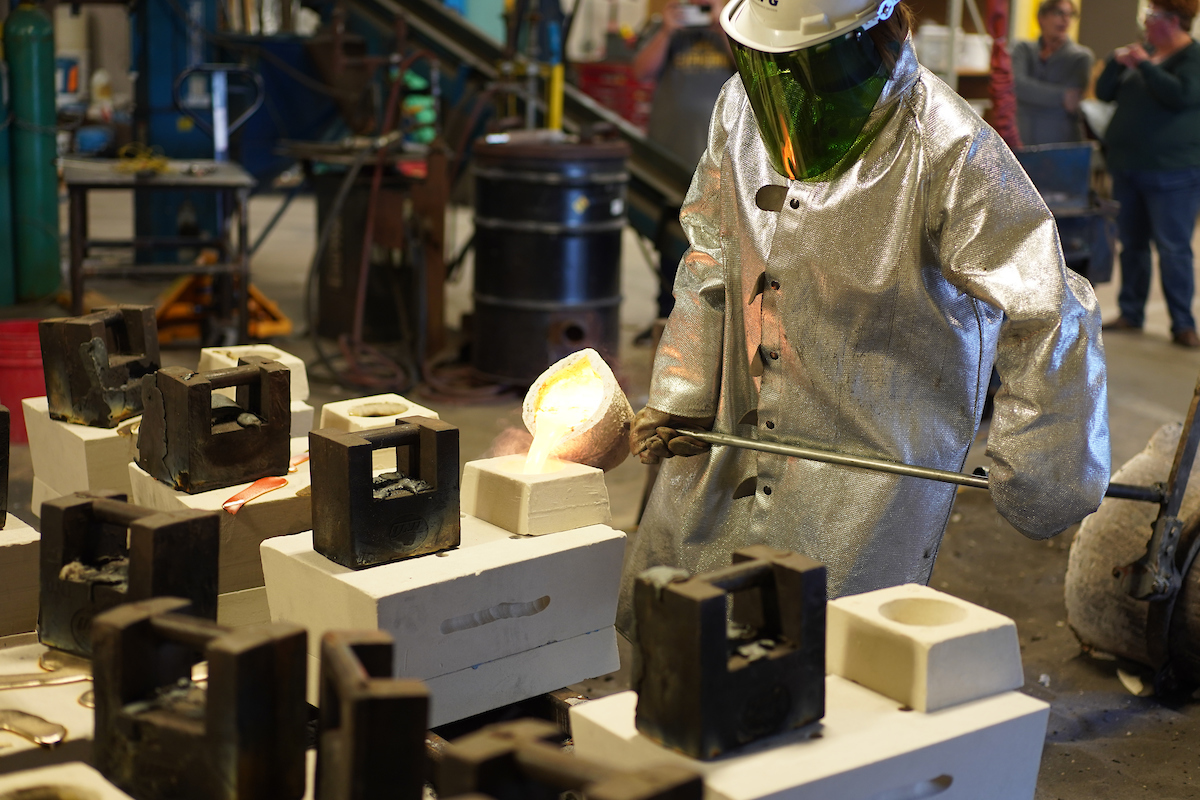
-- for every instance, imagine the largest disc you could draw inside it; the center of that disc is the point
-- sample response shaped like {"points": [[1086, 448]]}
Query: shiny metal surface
{"points": [[863, 317], [60, 668], [36, 729]]}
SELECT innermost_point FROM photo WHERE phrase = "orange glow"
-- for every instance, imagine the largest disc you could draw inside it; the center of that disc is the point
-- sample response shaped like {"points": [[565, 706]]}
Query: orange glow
{"points": [[789, 153], [564, 403]]}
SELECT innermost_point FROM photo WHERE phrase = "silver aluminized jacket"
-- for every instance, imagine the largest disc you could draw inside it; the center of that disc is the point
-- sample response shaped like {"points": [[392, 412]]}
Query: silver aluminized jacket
{"points": [[863, 315]]}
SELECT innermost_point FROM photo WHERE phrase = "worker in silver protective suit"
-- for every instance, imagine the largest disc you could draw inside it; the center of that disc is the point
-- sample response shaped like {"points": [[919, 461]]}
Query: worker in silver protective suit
{"points": [[863, 249]]}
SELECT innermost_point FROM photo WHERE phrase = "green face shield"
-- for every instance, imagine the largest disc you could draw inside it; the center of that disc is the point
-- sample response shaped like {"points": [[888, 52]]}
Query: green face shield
{"points": [[812, 104]]}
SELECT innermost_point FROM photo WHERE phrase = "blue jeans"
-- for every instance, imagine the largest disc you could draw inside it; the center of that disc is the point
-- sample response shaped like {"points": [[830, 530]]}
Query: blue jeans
{"points": [[1158, 206]]}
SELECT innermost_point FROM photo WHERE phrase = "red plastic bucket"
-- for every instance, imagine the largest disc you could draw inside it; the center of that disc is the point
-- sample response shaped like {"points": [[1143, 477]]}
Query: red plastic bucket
{"points": [[20, 371]]}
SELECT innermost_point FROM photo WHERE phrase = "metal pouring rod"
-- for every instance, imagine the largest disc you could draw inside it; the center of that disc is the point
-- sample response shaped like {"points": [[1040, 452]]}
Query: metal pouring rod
{"points": [[1148, 494]]}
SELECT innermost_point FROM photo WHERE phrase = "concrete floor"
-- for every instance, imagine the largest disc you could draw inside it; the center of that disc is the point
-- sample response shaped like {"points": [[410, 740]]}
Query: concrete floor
{"points": [[1103, 742]]}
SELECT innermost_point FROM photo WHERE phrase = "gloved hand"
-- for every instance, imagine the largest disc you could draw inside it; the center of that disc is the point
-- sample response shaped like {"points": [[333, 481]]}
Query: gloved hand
{"points": [[653, 435]]}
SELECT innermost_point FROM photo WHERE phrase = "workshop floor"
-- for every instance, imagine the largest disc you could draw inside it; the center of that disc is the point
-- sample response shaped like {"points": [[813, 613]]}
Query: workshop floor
{"points": [[1103, 742]]}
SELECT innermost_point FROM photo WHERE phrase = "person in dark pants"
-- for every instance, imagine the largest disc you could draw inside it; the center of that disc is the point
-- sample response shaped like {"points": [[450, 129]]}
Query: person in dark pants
{"points": [[1153, 148], [1049, 76]]}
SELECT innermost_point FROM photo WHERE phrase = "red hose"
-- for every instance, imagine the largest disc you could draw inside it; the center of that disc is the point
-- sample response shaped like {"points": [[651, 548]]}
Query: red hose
{"points": [[1001, 91]]}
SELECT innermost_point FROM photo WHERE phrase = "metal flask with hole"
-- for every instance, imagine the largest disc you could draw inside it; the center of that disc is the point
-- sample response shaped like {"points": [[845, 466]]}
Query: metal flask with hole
{"points": [[548, 220]]}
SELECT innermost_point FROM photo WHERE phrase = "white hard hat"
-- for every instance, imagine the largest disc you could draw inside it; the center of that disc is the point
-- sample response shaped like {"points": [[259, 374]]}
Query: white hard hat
{"points": [[780, 26]]}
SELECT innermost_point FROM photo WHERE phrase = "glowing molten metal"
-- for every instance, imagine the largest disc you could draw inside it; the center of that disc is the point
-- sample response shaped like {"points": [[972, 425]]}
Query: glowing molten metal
{"points": [[565, 403], [576, 411]]}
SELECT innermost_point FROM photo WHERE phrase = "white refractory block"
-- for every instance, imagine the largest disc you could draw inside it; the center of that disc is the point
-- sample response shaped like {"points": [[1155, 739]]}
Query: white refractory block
{"points": [[277, 513], [42, 492], [244, 607], [58, 704], [73, 458], [363, 413], [19, 548], [564, 496], [921, 647], [227, 357], [73, 780], [302, 418], [377, 410], [493, 684], [496, 595], [867, 747]]}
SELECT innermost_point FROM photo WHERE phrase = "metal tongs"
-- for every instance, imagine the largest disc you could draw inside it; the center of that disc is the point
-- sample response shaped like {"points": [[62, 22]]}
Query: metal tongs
{"points": [[977, 480]]}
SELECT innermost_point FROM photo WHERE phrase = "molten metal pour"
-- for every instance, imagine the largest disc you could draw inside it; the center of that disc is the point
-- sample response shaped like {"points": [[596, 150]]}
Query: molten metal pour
{"points": [[577, 412], [566, 403]]}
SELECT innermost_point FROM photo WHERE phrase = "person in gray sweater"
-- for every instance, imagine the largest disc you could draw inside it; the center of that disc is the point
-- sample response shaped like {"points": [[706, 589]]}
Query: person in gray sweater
{"points": [[1050, 76]]}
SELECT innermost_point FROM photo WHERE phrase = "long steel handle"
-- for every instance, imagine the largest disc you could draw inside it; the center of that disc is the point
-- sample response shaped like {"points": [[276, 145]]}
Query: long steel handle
{"points": [[1148, 494]]}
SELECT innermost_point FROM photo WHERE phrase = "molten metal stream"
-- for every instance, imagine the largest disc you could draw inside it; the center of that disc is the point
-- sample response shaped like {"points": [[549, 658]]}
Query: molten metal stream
{"points": [[565, 404]]}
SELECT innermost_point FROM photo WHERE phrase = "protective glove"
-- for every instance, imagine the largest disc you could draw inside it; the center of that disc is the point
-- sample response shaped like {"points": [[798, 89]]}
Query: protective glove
{"points": [[653, 435]]}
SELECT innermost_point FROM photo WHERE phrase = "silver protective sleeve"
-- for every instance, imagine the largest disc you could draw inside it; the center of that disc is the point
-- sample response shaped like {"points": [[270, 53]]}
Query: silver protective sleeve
{"points": [[863, 315]]}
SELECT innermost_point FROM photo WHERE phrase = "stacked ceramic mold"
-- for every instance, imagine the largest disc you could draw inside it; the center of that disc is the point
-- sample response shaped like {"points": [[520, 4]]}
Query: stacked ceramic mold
{"points": [[81, 434], [520, 599], [919, 697], [223, 439], [18, 555]]}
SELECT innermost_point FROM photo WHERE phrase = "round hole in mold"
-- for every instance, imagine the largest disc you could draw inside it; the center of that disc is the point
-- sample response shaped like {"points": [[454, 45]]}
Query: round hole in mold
{"points": [[378, 409], [923, 611]]}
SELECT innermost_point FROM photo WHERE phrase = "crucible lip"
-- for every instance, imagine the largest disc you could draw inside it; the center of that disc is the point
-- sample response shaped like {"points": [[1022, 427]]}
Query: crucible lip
{"points": [[603, 440]]}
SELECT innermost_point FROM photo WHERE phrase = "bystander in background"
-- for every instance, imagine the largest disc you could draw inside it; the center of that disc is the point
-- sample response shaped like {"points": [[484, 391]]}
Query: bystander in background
{"points": [[689, 56], [1050, 76], [1153, 151]]}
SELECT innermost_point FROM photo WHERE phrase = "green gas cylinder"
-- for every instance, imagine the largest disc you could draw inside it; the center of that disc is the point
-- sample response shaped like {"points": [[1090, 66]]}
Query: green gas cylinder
{"points": [[29, 51], [8, 279]]}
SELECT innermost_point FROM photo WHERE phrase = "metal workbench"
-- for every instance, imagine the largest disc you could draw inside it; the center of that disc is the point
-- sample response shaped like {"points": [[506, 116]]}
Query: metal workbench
{"points": [[232, 185]]}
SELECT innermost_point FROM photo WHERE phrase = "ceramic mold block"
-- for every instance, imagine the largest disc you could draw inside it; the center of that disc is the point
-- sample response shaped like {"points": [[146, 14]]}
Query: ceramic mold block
{"points": [[75, 779], [226, 357], [78, 458], [493, 684], [374, 411], [921, 647], [280, 512], [869, 747], [42, 492], [19, 548], [565, 496], [244, 607], [371, 412], [59, 704], [302, 418], [494, 596]]}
